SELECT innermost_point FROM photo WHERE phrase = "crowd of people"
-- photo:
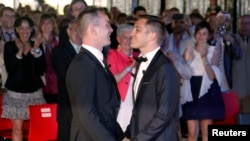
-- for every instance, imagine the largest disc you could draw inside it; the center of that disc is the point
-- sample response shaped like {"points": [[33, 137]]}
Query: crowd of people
{"points": [[120, 77]]}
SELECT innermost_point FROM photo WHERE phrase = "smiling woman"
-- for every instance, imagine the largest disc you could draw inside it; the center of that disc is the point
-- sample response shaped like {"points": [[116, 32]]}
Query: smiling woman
{"points": [[24, 29], [25, 63]]}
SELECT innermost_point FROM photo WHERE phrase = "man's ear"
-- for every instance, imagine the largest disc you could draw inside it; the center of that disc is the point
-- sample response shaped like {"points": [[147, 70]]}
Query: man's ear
{"points": [[93, 29], [68, 30], [153, 36]]}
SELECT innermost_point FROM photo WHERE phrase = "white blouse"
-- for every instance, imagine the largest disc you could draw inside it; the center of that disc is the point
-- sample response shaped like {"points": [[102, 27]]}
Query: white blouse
{"points": [[198, 69]]}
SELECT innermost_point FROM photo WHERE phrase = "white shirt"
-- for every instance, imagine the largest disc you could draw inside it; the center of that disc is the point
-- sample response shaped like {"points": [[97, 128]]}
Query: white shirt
{"points": [[143, 67], [186, 94], [97, 53]]}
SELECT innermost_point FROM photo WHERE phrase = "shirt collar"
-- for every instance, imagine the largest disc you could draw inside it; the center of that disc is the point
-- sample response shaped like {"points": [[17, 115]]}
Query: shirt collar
{"points": [[97, 53], [150, 54], [11, 32], [75, 46]]}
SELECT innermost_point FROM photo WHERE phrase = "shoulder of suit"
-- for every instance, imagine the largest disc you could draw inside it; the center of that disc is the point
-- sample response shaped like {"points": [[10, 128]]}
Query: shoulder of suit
{"points": [[160, 56]]}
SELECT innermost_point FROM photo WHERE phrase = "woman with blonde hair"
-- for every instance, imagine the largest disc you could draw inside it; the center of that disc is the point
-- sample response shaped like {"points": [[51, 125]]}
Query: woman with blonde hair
{"points": [[47, 29]]}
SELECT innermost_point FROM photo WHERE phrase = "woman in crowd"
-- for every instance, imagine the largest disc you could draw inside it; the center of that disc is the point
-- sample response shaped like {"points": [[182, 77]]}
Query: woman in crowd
{"points": [[121, 64], [47, 29], [25, 64], [200, 95]]}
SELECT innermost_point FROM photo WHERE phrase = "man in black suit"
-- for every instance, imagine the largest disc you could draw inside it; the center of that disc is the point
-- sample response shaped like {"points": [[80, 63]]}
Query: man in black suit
{"points": [[93, 93], [156, 87], [62, 56]]}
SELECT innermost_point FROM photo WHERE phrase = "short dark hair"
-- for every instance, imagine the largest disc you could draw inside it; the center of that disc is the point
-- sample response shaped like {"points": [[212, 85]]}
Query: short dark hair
{"points": [[196, 15], [5, 9], [139, 8], [130, 20], [174, 9], [155, 25], [75, 1], [86, 17], [121, 18], [19, 21], [201, 25]]}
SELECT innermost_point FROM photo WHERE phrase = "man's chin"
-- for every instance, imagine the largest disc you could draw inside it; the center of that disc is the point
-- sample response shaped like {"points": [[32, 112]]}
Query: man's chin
{"points": [[133, 46], [107, 44]]}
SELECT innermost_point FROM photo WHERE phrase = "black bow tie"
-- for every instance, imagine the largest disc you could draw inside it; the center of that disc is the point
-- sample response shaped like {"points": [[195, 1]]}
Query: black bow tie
{"points": [[141, 59]]}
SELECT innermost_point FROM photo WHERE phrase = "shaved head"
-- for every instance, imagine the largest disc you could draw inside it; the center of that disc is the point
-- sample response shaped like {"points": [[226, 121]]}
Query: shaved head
{"points": [[88, 16]]}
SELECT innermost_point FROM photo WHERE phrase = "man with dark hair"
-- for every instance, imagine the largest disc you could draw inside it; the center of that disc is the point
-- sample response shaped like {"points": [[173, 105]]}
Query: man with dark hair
{"points": [[92, 89], [156, 86], [76, 7], [7, 18], [62, 56], [169, 20], [138, 11]]}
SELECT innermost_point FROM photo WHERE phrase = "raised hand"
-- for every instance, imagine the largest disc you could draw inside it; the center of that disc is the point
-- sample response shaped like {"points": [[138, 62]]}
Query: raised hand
{"points": [[19, 45], [202, 51], [38, 40]]}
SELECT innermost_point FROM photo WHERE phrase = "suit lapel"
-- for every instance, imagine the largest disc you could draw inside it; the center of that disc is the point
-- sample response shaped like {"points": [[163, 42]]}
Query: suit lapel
{"points": [[147, 73], [107, 72]]}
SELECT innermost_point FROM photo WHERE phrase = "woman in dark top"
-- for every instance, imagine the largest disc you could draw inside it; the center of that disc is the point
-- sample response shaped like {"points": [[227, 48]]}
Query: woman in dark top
{"points": [[25, 63]]}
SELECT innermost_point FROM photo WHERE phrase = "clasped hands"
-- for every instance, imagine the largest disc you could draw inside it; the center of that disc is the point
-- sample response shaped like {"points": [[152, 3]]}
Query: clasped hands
{"points": [[25, 47]]}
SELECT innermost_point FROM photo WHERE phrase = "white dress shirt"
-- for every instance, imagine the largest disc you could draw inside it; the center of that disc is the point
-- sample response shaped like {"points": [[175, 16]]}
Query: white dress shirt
{"points": [[143, 67], [97, 53]]}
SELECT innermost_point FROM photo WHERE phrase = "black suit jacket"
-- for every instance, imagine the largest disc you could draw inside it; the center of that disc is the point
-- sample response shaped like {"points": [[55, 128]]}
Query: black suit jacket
{"points": [[62, 56], [155, 114], [63, 36], [94, 99]]}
